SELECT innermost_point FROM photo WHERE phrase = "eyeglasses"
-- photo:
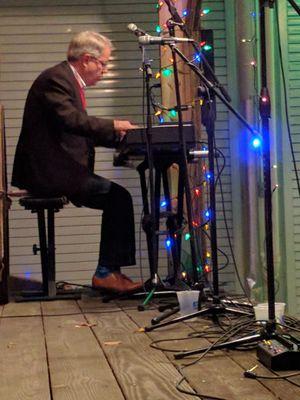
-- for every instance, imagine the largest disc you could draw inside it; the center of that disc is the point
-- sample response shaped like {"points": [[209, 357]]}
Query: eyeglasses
{"points": [[99, 62]]}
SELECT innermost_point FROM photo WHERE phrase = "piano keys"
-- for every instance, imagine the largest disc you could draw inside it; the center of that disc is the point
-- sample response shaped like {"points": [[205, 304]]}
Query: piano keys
{"points": [[164, 140]]}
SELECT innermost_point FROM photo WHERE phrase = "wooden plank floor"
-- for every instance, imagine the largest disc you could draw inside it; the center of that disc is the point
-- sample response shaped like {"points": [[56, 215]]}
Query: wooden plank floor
{"points": [[92, 350]]}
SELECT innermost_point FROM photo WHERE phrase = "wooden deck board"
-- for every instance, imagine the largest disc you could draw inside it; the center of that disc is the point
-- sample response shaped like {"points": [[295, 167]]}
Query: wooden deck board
{"points": [[23, 365], [78, 366], [22, 309], [142, 372], [92, 350]]}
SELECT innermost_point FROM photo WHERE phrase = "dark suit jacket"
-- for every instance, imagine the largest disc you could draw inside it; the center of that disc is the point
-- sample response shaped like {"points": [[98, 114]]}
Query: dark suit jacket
{"points": [[55, 152]]}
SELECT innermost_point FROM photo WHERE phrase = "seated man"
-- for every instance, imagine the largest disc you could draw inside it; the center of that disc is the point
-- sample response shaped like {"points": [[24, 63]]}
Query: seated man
{"points": [[55, 153]]}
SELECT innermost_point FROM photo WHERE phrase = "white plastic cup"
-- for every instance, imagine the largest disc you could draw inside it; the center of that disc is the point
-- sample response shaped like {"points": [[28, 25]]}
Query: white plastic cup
{"points": [[188, 301], [262, 311]]}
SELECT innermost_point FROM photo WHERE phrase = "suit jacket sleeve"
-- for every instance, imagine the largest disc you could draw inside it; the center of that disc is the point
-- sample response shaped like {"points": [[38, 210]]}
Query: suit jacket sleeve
{"points": [[61, 100]]}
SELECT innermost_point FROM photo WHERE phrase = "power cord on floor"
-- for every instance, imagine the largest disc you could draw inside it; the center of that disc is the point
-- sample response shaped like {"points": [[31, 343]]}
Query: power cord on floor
{"points": [[252, 375]]}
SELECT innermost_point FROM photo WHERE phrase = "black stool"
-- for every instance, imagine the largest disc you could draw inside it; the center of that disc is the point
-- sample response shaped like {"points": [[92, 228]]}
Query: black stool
{"points": [[47, 247]]}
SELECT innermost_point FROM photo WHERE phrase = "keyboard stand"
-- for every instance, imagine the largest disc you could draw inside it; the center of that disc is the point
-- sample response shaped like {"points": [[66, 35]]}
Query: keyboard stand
{"points": [[174, 220]]}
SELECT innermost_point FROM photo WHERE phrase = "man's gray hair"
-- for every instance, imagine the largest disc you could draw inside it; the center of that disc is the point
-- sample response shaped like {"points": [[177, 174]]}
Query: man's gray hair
{"points": [[87, 42]]}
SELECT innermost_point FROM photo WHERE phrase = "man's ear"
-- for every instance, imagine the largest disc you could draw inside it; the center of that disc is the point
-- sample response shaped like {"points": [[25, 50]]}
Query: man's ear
{"points": [[85, 58]]}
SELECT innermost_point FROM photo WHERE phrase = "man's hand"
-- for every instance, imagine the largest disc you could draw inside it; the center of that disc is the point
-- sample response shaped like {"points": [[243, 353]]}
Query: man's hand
{"points": [[121, 127]]}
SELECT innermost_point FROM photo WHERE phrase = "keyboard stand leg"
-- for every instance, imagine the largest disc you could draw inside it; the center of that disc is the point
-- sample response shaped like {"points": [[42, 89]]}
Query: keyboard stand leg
{"points": [[174, 222], [147, 217]]}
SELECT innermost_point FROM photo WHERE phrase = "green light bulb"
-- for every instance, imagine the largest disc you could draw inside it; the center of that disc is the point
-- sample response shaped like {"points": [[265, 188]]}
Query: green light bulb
{"points": [[167, 72], [173, 114], [207, 47], [187, 236]]}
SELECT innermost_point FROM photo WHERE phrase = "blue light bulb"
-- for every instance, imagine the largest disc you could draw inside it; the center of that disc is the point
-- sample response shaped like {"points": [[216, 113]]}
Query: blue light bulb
{"points": [[208, 175], [168, 243], [256, 142], [197, 57], [207, 213]]}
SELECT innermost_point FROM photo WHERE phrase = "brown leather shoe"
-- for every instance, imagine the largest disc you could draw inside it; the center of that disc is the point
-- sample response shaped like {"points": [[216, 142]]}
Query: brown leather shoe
{"points": [[116, 282]]}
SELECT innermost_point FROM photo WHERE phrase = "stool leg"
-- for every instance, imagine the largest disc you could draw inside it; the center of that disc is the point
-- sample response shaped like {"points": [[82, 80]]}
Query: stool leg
{"points": [[43, 249], [51, 254]]}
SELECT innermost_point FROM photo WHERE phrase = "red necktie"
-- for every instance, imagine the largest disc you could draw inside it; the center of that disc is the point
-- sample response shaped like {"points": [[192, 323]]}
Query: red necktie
{"points": [[82, 96]]}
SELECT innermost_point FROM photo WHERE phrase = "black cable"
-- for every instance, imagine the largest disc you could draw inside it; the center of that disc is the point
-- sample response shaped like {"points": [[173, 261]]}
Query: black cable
{"points": [[219, 340], [252, 375], [218, 249]]}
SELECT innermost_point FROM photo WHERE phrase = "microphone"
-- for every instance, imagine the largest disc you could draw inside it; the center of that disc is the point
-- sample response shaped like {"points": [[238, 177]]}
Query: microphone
{"points": [[137, 31], [145, 40]]}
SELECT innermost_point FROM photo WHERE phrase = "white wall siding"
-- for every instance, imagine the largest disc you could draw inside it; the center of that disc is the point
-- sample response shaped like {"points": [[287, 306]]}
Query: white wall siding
{"points": [[33, 36]]}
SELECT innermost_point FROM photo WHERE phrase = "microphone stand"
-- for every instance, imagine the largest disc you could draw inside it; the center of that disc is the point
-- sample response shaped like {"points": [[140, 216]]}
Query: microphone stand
{"points": [[150, 225], [218, 306], [295, 6], [183, 163], [274, 350], [208, 120], [181, 24]]}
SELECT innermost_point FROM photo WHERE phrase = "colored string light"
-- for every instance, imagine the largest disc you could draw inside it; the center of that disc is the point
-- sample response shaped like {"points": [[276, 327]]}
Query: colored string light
{"points": [[207, 47], [197, 57], [207, 213], [256, 142], [206, 268], [167, 72], [172, 113], [168, 243], [208, 176], [187, 236], [205, 11], [199, 268]]}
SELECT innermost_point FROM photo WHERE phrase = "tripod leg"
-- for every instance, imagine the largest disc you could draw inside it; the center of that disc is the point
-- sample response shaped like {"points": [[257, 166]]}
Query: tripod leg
{"points": [[213, 310], [164, 315], [176, 320]]}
